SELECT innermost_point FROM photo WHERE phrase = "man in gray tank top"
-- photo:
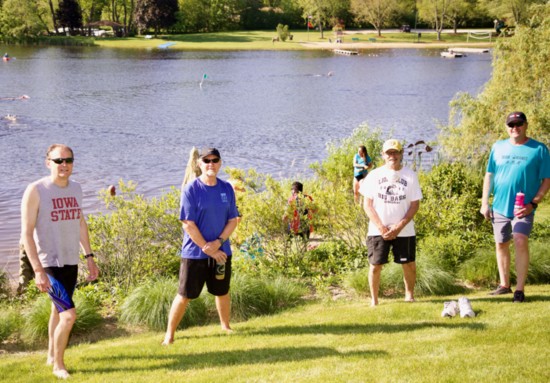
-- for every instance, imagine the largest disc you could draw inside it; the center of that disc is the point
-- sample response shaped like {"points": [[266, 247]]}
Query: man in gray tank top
{"points": [[52, 230]]}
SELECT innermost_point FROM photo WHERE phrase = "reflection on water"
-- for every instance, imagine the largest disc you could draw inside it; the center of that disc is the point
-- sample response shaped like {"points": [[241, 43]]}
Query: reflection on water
{"points": [[134, 115]]}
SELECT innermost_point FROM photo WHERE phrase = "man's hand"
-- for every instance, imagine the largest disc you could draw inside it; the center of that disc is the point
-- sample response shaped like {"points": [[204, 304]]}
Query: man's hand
{"points": [[219, 256], [93, 271], [486, 212], [42, 281]]}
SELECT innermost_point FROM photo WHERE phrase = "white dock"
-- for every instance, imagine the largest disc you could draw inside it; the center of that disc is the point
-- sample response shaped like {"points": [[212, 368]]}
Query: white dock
{"points": [[470, 50], [345, 52]]}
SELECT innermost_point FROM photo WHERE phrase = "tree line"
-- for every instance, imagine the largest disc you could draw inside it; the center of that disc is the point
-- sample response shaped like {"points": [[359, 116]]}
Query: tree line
{"points": [[33, 18]]}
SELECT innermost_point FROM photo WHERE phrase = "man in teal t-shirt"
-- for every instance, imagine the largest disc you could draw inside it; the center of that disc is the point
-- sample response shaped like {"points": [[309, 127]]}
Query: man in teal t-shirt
{"points": [[517, 165]]}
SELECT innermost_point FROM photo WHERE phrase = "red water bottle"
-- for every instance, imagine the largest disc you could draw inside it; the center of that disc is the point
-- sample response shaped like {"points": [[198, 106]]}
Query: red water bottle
{"points": [[519, 203]]}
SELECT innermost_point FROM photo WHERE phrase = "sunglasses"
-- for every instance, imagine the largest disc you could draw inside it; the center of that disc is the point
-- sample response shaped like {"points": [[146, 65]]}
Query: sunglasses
{"points": [[59, 161], [515, 124], [213, 160]]}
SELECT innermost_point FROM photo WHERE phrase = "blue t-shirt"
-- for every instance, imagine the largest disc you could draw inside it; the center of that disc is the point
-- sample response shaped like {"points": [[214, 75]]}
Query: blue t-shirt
{"points": [[210, 208], [359, 160], [517, 168]]}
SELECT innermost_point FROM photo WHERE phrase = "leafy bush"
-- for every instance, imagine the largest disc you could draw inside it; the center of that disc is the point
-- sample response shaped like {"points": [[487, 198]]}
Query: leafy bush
{"points": [[539, 262], [450, 204], [447, 252], [10, 322], [5, 290], [149, 305], [37, 317], [282, 32], [519, 82], [138, 238]]}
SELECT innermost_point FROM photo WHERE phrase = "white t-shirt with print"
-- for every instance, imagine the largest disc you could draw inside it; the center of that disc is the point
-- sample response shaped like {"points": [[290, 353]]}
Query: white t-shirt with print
{"points": [[392, 193]]}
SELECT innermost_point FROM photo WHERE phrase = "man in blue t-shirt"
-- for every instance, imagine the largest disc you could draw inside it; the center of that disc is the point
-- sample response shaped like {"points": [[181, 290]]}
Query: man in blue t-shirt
{"points": [[209, 215], [517, 165]]}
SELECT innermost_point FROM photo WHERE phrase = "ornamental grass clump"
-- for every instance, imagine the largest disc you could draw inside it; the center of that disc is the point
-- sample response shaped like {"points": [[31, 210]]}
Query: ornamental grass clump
{"points": [[10, 322], [149, 305], [38, 316]]}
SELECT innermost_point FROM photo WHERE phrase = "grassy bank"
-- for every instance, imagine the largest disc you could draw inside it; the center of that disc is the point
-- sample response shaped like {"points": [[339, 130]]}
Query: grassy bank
{"points": [[263, 40], [342, 341]]}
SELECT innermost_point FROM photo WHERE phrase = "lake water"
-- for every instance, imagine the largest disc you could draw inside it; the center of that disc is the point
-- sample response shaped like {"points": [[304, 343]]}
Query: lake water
{"points": [[134, 115]]}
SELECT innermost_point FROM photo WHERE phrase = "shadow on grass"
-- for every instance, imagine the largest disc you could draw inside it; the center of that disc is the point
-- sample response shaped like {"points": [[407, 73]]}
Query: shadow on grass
{"points": [[498, 299], [360, 328], [206, 360]]}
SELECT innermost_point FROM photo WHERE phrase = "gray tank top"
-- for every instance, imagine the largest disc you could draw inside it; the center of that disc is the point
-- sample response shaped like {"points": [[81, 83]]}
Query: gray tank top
{"points": [[57, 230]]}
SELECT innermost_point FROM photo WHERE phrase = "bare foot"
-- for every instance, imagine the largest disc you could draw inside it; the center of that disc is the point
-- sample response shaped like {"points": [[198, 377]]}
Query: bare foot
{"points": [[373, 303], [410, 300], [227, 330], [49, 361], [61, 374], [167, 341]]}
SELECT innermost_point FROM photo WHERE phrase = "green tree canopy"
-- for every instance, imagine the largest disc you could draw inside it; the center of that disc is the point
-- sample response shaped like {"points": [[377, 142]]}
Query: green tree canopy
{"points": [[378, 13], [520, 81], [69, 15], [155, 14]]}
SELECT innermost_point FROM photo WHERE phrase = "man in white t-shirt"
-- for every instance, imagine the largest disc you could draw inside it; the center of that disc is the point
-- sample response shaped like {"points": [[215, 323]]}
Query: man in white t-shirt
{"points": [[392, 198]]}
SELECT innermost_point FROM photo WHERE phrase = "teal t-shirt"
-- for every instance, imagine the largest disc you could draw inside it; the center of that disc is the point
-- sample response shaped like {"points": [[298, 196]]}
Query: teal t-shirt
{"points": [[516, 168]]}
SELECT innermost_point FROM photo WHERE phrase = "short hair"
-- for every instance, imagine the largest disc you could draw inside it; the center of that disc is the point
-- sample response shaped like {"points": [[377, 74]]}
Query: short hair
{"points": [[297, 186], [52, 147]]}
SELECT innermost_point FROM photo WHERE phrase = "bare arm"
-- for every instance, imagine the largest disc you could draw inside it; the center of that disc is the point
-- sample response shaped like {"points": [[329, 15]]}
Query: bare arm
{"points": [[212, 249], [29, 215], [373, 216], [487, 186], [93, 271]]}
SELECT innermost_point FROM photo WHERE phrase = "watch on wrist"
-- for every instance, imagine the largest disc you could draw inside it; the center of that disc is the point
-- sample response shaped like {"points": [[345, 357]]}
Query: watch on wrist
{"points": [[91, 255], [221, 240], [534, 204]]}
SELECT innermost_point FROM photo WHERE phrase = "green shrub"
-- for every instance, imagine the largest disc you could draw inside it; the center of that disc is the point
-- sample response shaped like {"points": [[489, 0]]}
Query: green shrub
{"points": [[10, 322], [138, 238], [430, 280], [451, 202], [447, 252], [37, 317], [5, 290], [149, 305], [282, 32]]}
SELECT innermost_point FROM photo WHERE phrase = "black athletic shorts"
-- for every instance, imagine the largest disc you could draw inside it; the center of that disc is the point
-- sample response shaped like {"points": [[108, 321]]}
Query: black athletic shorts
{"points": [[404, 249], [194, 273], [63, 281]]}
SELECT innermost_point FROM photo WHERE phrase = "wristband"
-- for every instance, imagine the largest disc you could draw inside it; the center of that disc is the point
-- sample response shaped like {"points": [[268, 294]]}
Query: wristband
{"points": [[534, 204], [221, 240], [91, 255]]}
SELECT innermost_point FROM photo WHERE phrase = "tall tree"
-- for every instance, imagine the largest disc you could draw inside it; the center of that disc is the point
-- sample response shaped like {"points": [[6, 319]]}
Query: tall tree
{"points": [[435, 12], [23, 18], [321, 11], [378, 13], [458, 11], [509, 9], [520, 81], [69, 15], [155, 14]]}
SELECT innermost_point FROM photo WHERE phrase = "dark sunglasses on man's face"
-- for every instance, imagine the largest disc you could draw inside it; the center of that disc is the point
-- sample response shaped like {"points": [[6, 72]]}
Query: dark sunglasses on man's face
{"points": [[213, 160], [59, 161], [515, 124]]}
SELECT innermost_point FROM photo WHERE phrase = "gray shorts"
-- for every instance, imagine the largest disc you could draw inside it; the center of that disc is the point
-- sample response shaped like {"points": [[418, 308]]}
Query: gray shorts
{"points": [[503, 227]]}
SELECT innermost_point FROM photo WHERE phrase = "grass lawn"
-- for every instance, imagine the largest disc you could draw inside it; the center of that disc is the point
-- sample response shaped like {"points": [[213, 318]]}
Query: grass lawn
{"points": [[262, 40], [342, 341]]}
